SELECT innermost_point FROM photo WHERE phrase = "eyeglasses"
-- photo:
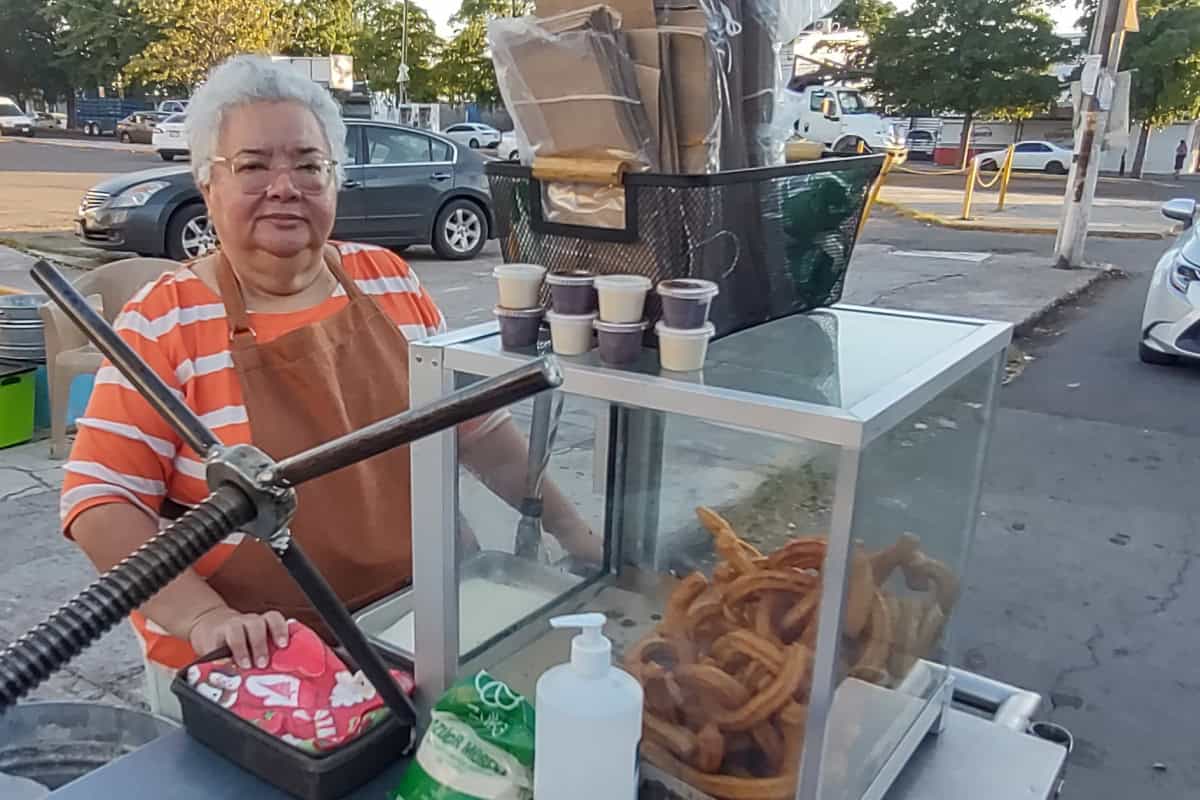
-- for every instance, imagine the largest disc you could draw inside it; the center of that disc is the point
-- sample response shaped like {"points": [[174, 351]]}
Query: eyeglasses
{"points": [[254, 174]]}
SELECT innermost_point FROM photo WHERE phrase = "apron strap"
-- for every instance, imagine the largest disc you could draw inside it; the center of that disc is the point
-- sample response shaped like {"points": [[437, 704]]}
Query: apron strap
{"points": [[240, 330]]}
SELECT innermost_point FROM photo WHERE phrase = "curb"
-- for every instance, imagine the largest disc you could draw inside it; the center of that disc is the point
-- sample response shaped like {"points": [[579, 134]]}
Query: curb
{"points": [[1100, 272], [1049, 230]]}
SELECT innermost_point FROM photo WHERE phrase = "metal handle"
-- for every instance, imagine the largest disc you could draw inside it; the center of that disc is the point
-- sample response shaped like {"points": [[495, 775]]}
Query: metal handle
{"points": [[136, 371], [351, 184], [441, 176], [476, 400]]}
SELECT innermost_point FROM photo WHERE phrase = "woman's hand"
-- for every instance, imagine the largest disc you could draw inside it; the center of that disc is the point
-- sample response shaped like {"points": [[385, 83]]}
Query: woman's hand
{"points": [[246, 635]]}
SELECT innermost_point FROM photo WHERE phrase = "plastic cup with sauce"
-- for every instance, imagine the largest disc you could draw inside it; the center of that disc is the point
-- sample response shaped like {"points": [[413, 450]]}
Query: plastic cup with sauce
{"points": [[683, 349], [622, 297], [571, 334], [519, 284], [686, 301], [572, 292], [519, 326], [620, 342]]}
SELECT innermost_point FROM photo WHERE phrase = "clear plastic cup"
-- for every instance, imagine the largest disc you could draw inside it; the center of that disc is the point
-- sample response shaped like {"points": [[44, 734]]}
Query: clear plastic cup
{"points": [[683, 349], [572, 292], [519, 284], [686, 301], [622, 297], [620, 342], [519, 326], [571, 334]]}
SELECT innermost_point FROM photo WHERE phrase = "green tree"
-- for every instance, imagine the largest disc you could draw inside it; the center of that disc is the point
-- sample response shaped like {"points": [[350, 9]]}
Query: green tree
{"points": [[1165, 58], [95, 39], [465, 72], [379, 46], [866, 15], [196, 35], [321, 27], [28, 60], [974, 57]]}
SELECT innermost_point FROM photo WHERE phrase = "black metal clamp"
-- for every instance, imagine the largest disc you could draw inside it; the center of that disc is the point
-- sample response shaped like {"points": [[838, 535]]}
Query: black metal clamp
{"points": [[251, 492]]}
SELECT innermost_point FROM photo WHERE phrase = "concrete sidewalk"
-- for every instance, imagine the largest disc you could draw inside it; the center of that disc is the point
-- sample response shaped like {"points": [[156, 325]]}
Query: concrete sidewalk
{"points": [[1025, 212]]}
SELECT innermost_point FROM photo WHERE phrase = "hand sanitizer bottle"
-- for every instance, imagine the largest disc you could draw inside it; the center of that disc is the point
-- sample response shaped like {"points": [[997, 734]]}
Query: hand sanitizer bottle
{"points": [[589, 722]]}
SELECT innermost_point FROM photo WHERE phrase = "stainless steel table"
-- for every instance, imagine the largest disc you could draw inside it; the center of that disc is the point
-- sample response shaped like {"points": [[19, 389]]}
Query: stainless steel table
{"points": [[973, 758]]}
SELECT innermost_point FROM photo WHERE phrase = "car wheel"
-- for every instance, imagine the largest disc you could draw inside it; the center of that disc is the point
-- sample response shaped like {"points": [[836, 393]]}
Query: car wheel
{"points": [[473, 144], [166, 156], [988, 166], [460, 231], [1056, 168], [190, 233], [1149, 355], [126, 138]]}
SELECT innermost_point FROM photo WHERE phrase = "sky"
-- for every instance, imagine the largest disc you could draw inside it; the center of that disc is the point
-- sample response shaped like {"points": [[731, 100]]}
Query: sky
{"points": [[1064, 14]]}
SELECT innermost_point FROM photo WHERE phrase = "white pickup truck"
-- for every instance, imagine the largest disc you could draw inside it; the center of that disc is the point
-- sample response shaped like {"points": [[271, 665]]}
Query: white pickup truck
{"points": [[839, 118]]}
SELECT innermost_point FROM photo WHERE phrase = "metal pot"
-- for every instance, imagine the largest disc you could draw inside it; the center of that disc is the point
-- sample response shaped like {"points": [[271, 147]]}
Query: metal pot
{"points": [[54, 743], [21, 334]]}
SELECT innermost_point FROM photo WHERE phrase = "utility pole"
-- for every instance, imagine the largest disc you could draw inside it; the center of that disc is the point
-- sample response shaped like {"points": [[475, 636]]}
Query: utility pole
{"points": [[1113, 19], [404, 57]]}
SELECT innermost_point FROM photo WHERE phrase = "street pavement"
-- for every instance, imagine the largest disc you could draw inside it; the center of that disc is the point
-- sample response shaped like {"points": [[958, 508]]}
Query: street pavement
{"points": [[1082, 582]]}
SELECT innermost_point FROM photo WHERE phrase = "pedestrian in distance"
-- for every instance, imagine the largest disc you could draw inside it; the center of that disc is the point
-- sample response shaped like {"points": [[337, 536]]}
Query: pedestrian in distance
{"points": [[1180, 156]]}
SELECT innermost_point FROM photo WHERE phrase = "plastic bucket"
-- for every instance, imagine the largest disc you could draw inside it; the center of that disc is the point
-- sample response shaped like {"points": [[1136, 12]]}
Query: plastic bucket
{"points": [[17, 392], [54, 743]]}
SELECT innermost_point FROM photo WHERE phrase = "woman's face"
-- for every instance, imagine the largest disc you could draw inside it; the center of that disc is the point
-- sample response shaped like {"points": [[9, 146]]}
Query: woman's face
{"points": [[281, 219]]}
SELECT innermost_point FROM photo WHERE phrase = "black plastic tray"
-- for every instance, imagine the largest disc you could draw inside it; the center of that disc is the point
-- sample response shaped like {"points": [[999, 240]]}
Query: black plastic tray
{"points": [[310, 777]]}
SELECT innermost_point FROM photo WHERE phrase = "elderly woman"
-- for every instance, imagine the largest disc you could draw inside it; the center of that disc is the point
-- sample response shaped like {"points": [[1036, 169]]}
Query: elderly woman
{"points": [[282, 339]]}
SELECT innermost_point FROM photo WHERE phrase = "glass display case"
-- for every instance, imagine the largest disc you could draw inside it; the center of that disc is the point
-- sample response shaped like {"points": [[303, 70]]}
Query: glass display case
{"points": [[780, 540]]}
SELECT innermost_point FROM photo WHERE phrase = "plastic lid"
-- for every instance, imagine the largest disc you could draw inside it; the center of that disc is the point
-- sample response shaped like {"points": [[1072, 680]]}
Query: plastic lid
{"points": [[523, 313], [623, 282], [621, 327], [591, 651], [578, 278], [515, 270], [662, 329], [688, 288], [579, 319]]}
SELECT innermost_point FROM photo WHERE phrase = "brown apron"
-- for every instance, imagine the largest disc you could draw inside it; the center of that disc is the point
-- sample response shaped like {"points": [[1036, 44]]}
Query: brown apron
{"points": [[304, 388]]}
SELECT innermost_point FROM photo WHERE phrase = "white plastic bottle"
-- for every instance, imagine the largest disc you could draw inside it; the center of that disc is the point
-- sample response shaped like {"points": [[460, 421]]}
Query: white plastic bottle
{"points": [[589, 722]]}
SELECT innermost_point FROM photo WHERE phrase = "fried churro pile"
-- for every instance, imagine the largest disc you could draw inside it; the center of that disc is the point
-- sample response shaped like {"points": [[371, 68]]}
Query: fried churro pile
{"points": [[727, 673]]}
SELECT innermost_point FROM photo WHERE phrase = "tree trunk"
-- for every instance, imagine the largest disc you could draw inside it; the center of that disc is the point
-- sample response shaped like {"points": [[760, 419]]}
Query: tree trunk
{"points": [[1139, 158], [964, 144], [72, 113]]}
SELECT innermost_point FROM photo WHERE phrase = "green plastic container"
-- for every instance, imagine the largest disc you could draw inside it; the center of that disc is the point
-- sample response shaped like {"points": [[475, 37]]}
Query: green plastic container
{"points": [[16, 404]]}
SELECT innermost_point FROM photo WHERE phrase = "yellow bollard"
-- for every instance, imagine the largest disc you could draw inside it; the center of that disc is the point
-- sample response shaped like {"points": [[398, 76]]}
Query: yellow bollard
{"points": [[890, 158], [1005, 175], [969, 194]]}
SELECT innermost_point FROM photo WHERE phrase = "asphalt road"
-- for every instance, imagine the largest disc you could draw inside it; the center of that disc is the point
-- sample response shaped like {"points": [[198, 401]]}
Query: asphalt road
{"points": [[63, 155], [1159, 188]]}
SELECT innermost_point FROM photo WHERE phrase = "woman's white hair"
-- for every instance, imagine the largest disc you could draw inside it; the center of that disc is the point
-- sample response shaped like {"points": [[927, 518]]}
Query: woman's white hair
{"points": [[246, 79]]}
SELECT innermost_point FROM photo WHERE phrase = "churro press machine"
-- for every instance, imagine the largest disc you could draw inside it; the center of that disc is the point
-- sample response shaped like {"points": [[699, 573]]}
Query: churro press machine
{"points": [[784, 536]]}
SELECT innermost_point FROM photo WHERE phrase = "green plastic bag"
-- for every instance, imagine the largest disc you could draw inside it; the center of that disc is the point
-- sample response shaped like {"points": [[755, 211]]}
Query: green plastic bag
{"points": [[479, 746]]}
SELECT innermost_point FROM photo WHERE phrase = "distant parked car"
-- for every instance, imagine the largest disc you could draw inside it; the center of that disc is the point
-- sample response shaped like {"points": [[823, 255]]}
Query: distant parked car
{"points": [[1170, 328], [1036, 156], [47, 121], [507, 149], [138, 128], [14, 120], [172, 106], [403, 186], [920, 144], [473, 134], [170, 137]]}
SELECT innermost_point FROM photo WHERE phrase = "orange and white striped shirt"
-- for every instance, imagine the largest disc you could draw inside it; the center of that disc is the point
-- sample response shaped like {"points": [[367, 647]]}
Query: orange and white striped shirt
{"points": [[125, 452]]}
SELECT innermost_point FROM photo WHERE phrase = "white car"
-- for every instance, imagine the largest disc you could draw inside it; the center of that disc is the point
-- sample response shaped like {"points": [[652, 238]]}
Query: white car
{"points": [[1036, 156], [1171, 318], [14, 121], [170, 137], [172, 106], [508, 149], [48, 121], [474, 135]]}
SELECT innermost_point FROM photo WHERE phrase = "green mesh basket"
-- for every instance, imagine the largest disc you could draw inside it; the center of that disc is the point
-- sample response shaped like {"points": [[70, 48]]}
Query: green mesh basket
{"points": [[776, 240]]}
